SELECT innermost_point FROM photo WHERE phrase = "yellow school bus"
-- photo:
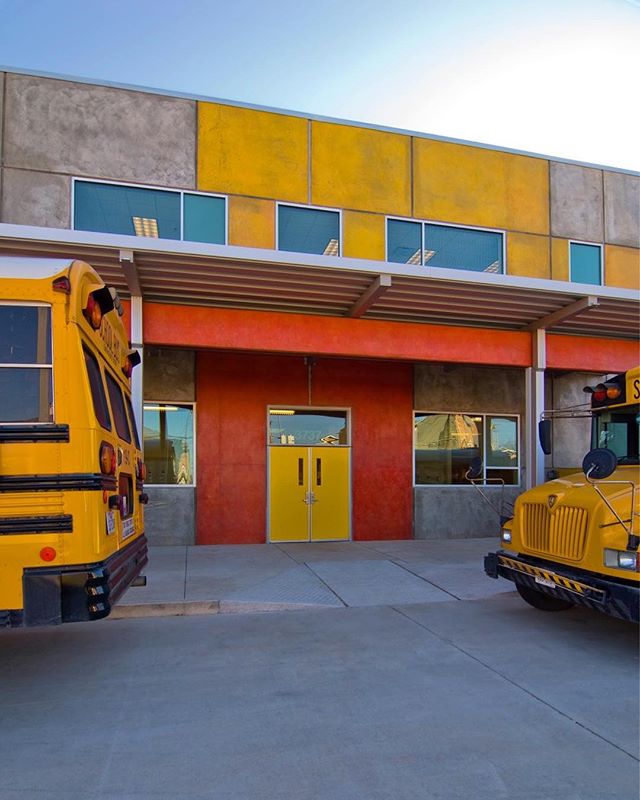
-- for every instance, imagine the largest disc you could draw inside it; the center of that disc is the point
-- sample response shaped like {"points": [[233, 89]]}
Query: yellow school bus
{"points": [[71, 469], [574, 540]]}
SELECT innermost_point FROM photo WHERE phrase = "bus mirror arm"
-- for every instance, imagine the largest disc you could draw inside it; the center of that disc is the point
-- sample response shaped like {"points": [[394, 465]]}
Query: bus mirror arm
{"points": [[633, 540]]}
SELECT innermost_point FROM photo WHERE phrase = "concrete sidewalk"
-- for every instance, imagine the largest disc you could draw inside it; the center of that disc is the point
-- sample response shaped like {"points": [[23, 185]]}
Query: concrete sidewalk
{"points": [[277, 577]]}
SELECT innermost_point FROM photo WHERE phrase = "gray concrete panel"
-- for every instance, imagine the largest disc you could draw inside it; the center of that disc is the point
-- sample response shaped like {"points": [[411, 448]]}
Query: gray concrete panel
{"points": [[99, 131], [169, 517], [449, 512], [35, 198], [169, 374], [2, 80], [576, 202], [622, 209], [444, 387]]}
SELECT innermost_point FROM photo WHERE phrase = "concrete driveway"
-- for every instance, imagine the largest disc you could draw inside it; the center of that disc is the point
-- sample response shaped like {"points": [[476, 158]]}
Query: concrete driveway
{"points": [[479, 699]]}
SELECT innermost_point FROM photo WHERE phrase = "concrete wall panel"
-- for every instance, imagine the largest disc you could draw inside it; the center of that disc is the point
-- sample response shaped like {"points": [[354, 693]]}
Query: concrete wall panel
{"points": [[169, 375], [363, 235], [473, 186], [450, 512], [2, 81], [99, 131], [576, 202], [360, 169], [483, 390], [252, 222], [169, 517], [35, 198], [622, 209], [256, 153]]}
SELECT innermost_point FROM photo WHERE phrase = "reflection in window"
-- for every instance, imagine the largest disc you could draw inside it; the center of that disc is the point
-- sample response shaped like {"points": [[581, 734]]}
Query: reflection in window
{"points": [[168, 441], [26, 384], [619, 431], [308, 230], [444, 246], [307, 428], [445, 445]]}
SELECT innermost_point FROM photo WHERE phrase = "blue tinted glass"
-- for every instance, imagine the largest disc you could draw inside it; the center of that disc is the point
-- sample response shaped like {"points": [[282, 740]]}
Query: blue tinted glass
{"points": [[461, 248], [404, 240], [25, 394], [204, 219], [585, 263], [308, 230], [25, 335], [110, 209]]}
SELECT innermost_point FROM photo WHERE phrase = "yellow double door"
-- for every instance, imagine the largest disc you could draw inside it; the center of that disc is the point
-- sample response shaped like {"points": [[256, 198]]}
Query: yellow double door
{"points": [[309, 494]]}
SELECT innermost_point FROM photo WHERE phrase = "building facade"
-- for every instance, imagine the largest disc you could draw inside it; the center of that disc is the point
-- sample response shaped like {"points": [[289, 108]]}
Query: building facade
{"points": [[335, 318]]}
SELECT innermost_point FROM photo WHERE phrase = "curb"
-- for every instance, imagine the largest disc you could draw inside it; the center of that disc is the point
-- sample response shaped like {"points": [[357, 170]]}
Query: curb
{"points": [[183, 609]]}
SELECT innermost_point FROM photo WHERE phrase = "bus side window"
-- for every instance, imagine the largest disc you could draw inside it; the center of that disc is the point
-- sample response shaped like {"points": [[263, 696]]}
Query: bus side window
{"points": [[132, 421], [117, 406], [97, 390]]}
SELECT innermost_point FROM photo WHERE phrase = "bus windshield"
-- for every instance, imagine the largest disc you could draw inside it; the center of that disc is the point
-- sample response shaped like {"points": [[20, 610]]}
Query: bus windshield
{"points": [[619, 431]]}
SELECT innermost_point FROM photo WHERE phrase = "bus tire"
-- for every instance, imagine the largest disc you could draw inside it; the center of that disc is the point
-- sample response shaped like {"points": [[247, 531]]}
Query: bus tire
{"points": [[541, 601]]}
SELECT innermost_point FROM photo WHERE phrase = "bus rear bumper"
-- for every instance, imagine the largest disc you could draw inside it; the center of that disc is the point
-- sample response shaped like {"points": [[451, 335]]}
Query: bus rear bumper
{"points": [[612, 597], [77, 593]]}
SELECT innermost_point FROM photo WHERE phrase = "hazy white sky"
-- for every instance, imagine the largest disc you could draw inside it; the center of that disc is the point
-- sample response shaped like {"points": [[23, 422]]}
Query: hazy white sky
{"points": [[559, 77]]}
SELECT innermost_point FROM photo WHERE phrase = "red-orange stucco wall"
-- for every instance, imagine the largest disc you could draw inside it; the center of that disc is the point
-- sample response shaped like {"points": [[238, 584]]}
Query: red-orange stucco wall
{"points": [[233, 391]]}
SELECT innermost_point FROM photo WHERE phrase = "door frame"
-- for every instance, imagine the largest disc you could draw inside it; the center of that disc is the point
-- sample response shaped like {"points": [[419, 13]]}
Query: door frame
{"points": [[349, 447]]}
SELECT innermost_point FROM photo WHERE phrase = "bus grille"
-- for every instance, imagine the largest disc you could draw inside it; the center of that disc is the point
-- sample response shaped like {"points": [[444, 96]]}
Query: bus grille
{"points": [[562, 533]]}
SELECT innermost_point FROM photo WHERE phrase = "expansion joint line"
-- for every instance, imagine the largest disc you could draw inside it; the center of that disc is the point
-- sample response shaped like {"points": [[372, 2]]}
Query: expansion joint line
{"points": [[514, 683]]}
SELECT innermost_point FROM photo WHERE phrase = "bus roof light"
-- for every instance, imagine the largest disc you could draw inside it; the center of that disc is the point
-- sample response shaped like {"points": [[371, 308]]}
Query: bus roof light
{"points": [[99, 303], [62, 284]]}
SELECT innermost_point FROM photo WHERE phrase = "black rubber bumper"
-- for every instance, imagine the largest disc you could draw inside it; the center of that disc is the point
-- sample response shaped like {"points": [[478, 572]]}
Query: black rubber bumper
{"points": [[77, 593], [617, 598]]}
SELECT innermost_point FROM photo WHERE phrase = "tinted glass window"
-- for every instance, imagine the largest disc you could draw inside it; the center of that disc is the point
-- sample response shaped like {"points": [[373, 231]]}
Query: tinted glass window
{"points": [[204, 219], [132, 420], [117, 407], [445, 445], [97, 390], [404, 241], [118, 209], [308, 230], [585, 263], [26, 394], [307, 427], [25, 335], [169, 443], [461, 248]]}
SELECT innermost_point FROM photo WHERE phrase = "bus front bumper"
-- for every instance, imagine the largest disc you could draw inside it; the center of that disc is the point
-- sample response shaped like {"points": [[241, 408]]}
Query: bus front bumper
{"points": [[77, 593], [616, 598]]}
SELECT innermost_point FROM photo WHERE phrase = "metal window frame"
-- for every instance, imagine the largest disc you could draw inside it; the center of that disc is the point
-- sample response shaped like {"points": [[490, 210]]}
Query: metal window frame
{"points": [[423, 222], [180, 192], [484, 415], [36, 304], [600, 246], [338, 211], [192, 404]]}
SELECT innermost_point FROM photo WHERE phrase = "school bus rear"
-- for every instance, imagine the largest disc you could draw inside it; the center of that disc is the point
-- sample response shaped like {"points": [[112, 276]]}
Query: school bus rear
{"points": [[71, 494]]}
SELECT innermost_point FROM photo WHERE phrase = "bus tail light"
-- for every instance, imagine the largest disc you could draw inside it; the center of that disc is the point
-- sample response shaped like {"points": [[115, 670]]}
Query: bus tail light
{"points": [[99, 303], [107, 459], [48, 553], [131, 360], [141, 470]]}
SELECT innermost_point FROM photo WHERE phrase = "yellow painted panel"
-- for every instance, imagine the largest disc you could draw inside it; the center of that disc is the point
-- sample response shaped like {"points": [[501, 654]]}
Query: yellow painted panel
{"points": [[476, 186], [252, 222], [330, 485], [360, 168], [622, 267], [560, 259], [363, 235], [288, 485], [247, 152], [528, 255]]}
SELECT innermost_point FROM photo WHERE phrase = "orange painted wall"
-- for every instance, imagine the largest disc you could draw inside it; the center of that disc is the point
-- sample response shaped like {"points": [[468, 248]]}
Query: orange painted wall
{"points": [[233, 391], [591, 354]]}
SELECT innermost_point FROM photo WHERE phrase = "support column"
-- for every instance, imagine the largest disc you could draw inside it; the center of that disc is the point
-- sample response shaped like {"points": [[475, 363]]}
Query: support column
{"points": [[534, 394], [137, 394]]}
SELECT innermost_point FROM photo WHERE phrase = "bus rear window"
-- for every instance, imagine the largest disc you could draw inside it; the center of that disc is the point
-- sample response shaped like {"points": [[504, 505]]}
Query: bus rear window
{"points": [[26, 380], [117, 407], [132, 420], [97, 390]]}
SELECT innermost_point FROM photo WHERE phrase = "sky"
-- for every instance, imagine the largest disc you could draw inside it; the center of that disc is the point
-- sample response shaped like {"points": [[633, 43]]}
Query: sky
{"points": [[555, 77]]}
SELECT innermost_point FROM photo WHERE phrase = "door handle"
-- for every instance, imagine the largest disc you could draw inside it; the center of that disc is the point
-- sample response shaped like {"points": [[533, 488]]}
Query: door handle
{"points": [[309, 498]]}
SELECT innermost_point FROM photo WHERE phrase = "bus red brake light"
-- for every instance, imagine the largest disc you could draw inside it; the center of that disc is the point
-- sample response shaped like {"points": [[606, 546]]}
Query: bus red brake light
{"points": [[62, 284], [141, 470], [48, 553], [107, 459], [600, 393], [93, 313]]}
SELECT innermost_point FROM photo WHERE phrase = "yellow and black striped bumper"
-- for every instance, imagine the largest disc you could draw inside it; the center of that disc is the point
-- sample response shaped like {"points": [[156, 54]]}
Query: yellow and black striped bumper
{"points": [[616, 598]]}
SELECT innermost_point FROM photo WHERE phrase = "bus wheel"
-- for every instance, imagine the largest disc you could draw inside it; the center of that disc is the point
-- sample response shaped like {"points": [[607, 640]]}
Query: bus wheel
{"points": [[543, 602]]}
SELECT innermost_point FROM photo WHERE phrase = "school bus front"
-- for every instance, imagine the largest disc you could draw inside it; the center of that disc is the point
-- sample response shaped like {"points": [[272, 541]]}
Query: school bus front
{"points": [[71, 492]]}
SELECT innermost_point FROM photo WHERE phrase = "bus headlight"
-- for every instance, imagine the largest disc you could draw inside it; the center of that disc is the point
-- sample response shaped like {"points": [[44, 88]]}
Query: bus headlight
{"points": [[506, 535], [622, 559]]}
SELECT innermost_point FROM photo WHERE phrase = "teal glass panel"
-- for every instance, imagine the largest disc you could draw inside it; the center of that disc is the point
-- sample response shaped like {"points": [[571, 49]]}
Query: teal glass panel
{"points": [[462, 248], [204, 219], [308, 230], [585, 263], [404, 241], [109, 208]]}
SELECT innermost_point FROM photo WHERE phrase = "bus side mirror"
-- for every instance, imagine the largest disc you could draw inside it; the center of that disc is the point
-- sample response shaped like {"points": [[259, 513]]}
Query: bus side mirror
{"points": [[475, 469], [544, 435], [599, 463]]}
